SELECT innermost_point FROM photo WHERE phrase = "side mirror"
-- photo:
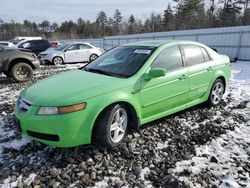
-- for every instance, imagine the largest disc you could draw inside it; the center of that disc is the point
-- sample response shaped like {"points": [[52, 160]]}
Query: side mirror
{"points": [[155, 73]]}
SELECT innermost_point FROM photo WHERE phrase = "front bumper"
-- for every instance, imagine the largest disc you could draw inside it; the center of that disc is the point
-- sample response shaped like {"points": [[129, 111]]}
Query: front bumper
{"points": [[68, 130], [44, 59], [36, 64]]}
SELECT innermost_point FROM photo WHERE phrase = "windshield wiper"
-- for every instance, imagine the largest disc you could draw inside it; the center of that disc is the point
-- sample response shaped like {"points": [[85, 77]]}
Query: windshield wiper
{"points": [[98, 71]]}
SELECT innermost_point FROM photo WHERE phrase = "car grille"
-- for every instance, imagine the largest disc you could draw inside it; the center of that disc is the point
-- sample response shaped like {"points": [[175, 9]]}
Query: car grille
{"points": [[24, 104]]}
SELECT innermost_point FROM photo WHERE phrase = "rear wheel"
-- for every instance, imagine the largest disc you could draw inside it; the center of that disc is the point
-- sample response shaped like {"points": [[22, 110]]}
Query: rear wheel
{"points": [[93, 57], [21, 72], [111, 127], [216, 93], [57, 61]]}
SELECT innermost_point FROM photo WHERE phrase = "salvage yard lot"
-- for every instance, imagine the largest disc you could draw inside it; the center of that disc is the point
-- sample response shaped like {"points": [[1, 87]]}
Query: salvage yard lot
{"points": [[198, 147]]}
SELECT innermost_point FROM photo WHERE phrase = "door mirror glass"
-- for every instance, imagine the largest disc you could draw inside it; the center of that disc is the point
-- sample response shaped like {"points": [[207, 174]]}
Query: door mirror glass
{"points": [[155, 73]]}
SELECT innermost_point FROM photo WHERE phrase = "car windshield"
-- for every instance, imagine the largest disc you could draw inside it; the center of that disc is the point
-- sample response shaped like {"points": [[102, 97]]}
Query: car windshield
{"points": [[122, 61], [62, 47]]}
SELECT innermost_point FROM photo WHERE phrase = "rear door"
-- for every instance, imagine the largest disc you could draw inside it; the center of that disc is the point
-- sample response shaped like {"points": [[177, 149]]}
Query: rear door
{"points": [[36, 46], [85, 51], [72, 53], [200, 70], [168, 93]]}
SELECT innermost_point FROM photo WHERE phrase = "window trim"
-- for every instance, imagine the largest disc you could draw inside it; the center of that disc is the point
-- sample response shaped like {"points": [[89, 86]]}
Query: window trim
{"points": [[201, 47], [209, 56]]}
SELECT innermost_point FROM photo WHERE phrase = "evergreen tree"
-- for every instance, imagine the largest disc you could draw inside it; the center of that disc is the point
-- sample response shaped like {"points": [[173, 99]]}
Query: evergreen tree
{"points": [[131, 24], [117, 20], [168, 19]]}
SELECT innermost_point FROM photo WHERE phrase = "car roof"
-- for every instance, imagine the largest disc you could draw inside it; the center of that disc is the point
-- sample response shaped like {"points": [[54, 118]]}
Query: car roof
{"points": [[158, 43]]}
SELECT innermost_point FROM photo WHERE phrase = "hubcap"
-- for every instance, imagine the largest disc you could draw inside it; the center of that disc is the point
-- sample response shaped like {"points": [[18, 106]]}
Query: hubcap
{"points": [[217, 92], [93, 57], [57, 61], [22, 72], [118, 125]]}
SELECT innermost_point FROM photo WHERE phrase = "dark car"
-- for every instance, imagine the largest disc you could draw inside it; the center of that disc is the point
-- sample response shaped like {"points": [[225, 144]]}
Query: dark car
{"points": [[36, 46], [18, 63]]}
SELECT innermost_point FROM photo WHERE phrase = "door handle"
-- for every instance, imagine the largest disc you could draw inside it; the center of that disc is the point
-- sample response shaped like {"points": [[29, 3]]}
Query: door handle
{"points": [[210, 69], [182, 77]]}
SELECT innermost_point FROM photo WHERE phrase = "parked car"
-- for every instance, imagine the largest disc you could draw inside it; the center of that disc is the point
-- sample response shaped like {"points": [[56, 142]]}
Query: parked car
{"points": [[18, 39], [124, 88], [70, 53], [18, 63], [36, 46]]}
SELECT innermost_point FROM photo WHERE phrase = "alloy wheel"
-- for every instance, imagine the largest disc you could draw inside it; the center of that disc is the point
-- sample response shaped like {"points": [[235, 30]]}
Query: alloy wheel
{"points": [[58, 61], [217, 93], [118, 125], [93, 57]]}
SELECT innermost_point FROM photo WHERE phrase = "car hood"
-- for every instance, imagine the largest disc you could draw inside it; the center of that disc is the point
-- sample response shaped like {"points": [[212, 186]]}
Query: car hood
{"points": [[49, 51], [71, 87]]}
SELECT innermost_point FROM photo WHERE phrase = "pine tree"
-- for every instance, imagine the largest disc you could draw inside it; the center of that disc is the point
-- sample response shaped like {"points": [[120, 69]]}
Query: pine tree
{"points": [[117, 20], [131, 24], [102, 21], [168, 19]]}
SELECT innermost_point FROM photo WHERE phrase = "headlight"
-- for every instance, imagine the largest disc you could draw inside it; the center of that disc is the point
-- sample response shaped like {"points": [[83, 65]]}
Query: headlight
{"points": [[61, 109]]}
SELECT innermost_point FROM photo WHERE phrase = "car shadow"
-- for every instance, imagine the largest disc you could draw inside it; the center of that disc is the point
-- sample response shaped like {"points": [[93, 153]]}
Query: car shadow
{"points": [[5, 80]]}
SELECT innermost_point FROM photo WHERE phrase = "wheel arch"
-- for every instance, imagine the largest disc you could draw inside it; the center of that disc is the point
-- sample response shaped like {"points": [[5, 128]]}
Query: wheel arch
{"points": [[52, 60], [132, 113], [222, 76], [224, 81], [19, 60]]}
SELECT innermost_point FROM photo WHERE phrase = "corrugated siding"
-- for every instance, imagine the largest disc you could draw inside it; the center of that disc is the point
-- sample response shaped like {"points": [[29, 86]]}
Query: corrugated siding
{"points": [[232, 41]]}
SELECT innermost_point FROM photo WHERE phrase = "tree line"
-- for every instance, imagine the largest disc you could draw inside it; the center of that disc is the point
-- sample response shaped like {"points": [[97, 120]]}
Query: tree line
{"points": [[184, 14]]}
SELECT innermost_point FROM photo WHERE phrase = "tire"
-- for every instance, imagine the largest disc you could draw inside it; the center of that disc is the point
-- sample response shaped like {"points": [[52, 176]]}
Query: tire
{"points": [[57, 60], [109, 129], [6, 73], [21, 72], [93, 57], [216, 93]]}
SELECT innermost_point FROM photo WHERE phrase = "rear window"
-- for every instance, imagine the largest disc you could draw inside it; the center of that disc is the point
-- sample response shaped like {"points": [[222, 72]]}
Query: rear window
{"points": [[193, 54]]}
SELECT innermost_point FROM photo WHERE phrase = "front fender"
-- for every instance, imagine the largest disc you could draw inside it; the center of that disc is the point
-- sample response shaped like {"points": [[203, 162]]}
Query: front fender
{"points": [[97, 104]]}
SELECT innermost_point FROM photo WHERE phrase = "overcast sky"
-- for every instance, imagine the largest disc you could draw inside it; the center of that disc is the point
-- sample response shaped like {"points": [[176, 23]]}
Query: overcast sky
{"points": [[61, 10]]}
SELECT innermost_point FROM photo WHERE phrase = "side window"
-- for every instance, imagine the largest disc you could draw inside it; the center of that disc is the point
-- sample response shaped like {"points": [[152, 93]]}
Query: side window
{"points": [[73, 47], [193, 54], [26, 45], [170, 59], [36, 43], [84, 46], [205, 55]]}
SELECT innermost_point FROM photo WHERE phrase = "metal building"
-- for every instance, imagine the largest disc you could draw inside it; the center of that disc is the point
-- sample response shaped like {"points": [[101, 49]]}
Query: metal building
{"points": [[232, 41]]}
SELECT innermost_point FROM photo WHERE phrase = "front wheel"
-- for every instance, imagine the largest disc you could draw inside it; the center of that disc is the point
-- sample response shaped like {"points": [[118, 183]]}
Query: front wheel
{"points": [[216, 93], [21, 72], [57, 61], [93, 57], [111, 127]]}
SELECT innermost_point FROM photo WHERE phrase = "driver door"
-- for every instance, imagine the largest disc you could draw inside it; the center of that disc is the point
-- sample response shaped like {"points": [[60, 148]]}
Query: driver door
{"points": [[167, 94]]}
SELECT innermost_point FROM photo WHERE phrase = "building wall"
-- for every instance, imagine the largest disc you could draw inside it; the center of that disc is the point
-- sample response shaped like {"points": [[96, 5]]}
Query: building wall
{"points": [[232, 41]]}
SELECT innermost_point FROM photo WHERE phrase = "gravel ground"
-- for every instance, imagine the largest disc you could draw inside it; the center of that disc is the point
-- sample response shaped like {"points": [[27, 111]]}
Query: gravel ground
{"points": [[198, 147]]}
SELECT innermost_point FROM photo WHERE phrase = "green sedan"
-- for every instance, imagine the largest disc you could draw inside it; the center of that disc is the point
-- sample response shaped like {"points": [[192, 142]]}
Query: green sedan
{"points": [[123, 89]]}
